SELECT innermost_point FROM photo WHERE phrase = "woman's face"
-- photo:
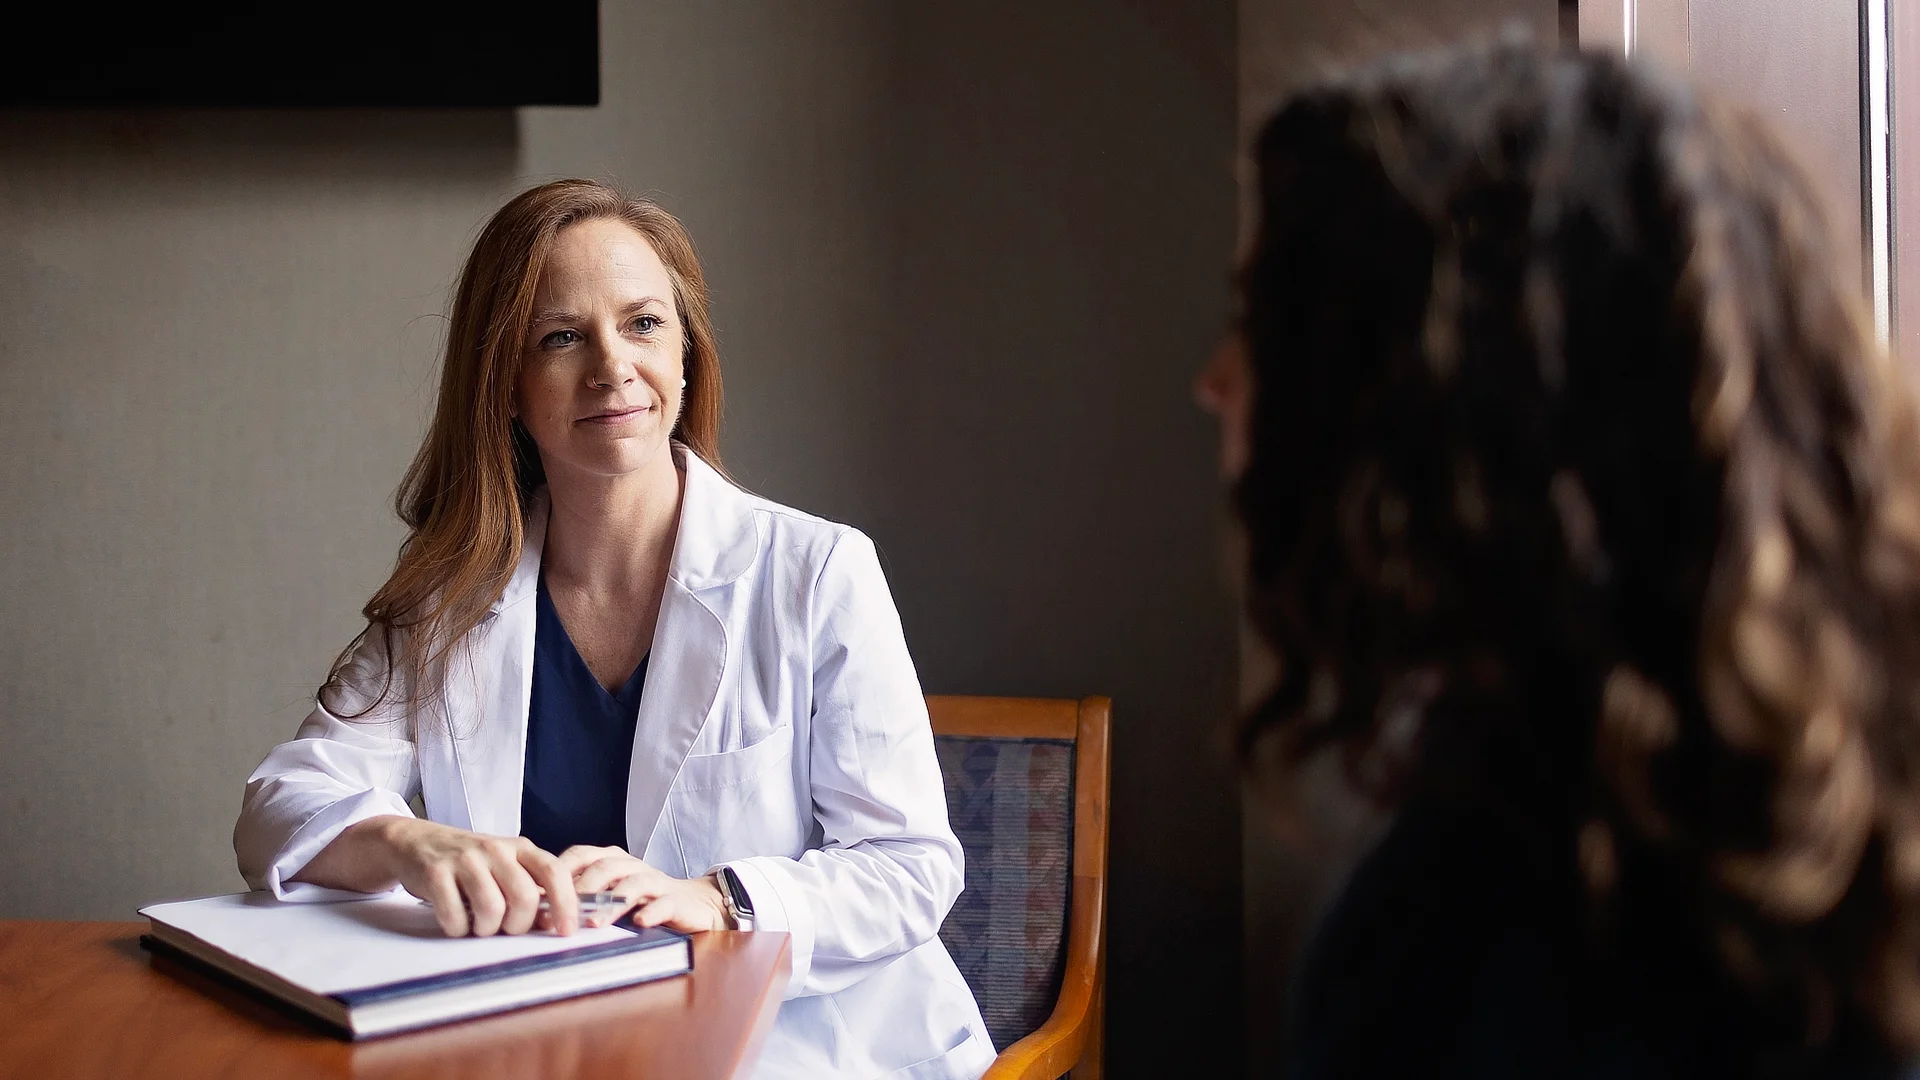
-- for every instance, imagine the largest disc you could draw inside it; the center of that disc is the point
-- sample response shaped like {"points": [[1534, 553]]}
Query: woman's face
{"points": [[600, 387], [1225, 389]]}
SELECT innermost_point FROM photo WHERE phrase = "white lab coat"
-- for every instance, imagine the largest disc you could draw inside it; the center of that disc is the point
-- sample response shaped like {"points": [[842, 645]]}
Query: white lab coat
{"points": [[781, 732]]}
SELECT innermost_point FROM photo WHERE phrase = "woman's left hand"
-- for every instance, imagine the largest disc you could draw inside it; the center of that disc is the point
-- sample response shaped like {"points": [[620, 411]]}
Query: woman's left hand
{"points": [[680, 904]]}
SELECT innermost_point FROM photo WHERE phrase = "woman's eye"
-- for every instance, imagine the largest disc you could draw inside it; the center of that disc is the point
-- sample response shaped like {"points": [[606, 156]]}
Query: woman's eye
{"points": [[558, 338], [647, 324]]}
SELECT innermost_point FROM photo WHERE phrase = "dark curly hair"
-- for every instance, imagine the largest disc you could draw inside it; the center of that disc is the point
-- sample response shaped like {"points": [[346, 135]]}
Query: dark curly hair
{"points": [[1578, 481]]}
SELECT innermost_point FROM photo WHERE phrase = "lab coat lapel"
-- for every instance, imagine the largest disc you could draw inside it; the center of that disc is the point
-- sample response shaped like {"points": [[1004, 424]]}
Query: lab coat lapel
{"points": [[716, 542], [683, 681], [490, 747]]}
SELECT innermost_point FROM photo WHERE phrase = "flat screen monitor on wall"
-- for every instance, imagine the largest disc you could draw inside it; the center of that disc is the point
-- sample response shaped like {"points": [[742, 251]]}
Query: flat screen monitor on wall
{"points": [[301, 52]]}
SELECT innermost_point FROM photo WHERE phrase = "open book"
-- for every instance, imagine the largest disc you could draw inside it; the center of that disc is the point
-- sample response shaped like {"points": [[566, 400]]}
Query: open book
{"points": [[379, 966]]}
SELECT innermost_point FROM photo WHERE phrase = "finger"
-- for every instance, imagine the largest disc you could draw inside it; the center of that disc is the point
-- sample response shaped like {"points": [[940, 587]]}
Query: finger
{"points": [[659, 910], [596, 877], [485, 904], [673, 910], [580, 856], [630, 897], [517, 887], [563, 907], [443, 892], [601, 876]]}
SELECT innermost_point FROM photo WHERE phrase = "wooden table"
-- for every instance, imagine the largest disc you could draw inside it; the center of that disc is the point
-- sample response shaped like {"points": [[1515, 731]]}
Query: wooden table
{"points": [[81, 999]]}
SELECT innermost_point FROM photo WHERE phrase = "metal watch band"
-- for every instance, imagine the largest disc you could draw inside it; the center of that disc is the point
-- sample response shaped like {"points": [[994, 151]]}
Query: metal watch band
{"points": [[734, 895]]}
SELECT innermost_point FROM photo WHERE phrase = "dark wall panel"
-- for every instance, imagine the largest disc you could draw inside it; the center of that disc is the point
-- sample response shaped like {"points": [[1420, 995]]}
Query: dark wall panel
{"points": [[1048, 515]]}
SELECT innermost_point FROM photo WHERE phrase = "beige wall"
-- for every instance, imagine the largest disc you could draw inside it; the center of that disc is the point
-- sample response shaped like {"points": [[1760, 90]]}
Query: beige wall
{"points": [[216, 337], [965, 259], [220, 340]]}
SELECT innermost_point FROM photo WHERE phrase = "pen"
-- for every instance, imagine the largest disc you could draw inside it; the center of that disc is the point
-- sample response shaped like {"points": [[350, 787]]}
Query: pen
{"points": [[591, 904]]}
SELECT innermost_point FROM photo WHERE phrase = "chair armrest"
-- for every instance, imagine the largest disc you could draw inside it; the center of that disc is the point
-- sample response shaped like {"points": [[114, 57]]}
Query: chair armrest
{"points": [[1056, 1047]]}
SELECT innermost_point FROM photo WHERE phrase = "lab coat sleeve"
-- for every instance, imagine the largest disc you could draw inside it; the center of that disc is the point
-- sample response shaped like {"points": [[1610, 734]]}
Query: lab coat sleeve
{"points": [[890, 867], [336, 771]]}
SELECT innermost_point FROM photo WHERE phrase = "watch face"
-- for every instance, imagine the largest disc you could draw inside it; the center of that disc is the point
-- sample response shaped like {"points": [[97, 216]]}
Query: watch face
{"points": [[736, 891]]}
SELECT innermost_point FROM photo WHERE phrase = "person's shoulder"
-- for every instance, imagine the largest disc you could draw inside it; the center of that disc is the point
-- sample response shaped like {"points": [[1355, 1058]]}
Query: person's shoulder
{"points": [[792, 521], [803, 543], [797, 534]]}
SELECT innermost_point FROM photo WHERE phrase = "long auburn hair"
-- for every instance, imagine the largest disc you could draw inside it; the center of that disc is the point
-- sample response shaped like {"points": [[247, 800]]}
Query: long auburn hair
{"points": [[465, 497], [1579, 484]]}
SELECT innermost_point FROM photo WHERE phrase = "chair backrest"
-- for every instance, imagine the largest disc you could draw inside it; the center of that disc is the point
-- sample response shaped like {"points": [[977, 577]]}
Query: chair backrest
{"points": [[1026, 782]]}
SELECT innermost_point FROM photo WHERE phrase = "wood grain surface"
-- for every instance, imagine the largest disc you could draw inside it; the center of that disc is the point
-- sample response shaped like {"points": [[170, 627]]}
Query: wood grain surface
{"points": [[81, 999]]}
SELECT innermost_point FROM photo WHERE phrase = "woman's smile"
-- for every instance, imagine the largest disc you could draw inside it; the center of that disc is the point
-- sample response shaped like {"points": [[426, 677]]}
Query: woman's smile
{"points": [[616, 416]]}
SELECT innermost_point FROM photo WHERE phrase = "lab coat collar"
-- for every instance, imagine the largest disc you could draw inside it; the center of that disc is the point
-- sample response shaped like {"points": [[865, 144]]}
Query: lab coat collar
{"points": [[716, 541], [719, 533]]}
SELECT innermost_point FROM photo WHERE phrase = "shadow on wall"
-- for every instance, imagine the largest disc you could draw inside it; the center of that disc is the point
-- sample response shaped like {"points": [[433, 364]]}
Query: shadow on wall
{"points": [[1048, 510]]}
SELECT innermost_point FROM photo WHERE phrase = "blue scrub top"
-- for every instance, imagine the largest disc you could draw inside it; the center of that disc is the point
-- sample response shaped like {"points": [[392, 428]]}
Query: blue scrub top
{"points": [[579, 743]]}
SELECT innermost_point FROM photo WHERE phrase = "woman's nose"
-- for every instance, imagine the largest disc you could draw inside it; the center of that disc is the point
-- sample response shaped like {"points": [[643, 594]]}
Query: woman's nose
{"points": [[1224, 390], [611, 368], [1219, 381]]}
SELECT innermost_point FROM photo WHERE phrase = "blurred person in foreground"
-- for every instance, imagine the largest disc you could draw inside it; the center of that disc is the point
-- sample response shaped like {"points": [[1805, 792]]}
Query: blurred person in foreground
{"points": [[1583, 515]]}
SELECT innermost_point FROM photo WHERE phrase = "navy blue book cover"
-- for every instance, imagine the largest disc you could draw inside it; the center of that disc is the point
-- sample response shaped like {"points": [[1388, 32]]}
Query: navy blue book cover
{"points": [[644, 938]]}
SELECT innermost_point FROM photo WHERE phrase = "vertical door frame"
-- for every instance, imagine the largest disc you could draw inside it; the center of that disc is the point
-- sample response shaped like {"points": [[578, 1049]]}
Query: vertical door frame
{"points": [[1613, 24], [1877, 165]]}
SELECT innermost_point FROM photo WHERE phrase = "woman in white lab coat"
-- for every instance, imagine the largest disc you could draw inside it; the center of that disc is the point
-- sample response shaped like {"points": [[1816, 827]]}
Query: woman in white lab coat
{"points": [[571, 526]]}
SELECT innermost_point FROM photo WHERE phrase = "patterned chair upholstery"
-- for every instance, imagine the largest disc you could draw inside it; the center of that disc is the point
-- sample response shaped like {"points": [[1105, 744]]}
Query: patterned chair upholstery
{"points": [[1011, 804], [1027, 786]]}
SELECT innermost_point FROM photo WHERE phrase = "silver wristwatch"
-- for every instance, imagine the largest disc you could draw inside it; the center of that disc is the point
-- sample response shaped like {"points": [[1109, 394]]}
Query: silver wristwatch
{"points": [[734, 895]]}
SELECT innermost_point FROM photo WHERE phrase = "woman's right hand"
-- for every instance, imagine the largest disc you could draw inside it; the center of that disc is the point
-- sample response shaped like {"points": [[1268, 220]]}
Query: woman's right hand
{"points": [[477, 884]]}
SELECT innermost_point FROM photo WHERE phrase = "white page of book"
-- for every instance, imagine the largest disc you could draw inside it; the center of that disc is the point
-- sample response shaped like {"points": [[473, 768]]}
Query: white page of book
{"points": [[353, 944]]}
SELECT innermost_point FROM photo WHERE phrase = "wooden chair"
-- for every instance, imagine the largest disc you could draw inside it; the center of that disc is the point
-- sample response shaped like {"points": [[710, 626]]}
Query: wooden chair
{"points": [[1063, 746]]}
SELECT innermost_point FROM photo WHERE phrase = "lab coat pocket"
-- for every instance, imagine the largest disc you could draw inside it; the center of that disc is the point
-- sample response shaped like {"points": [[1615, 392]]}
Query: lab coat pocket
{"points": [[740, 803], [968, 1056], [733, 768]]}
